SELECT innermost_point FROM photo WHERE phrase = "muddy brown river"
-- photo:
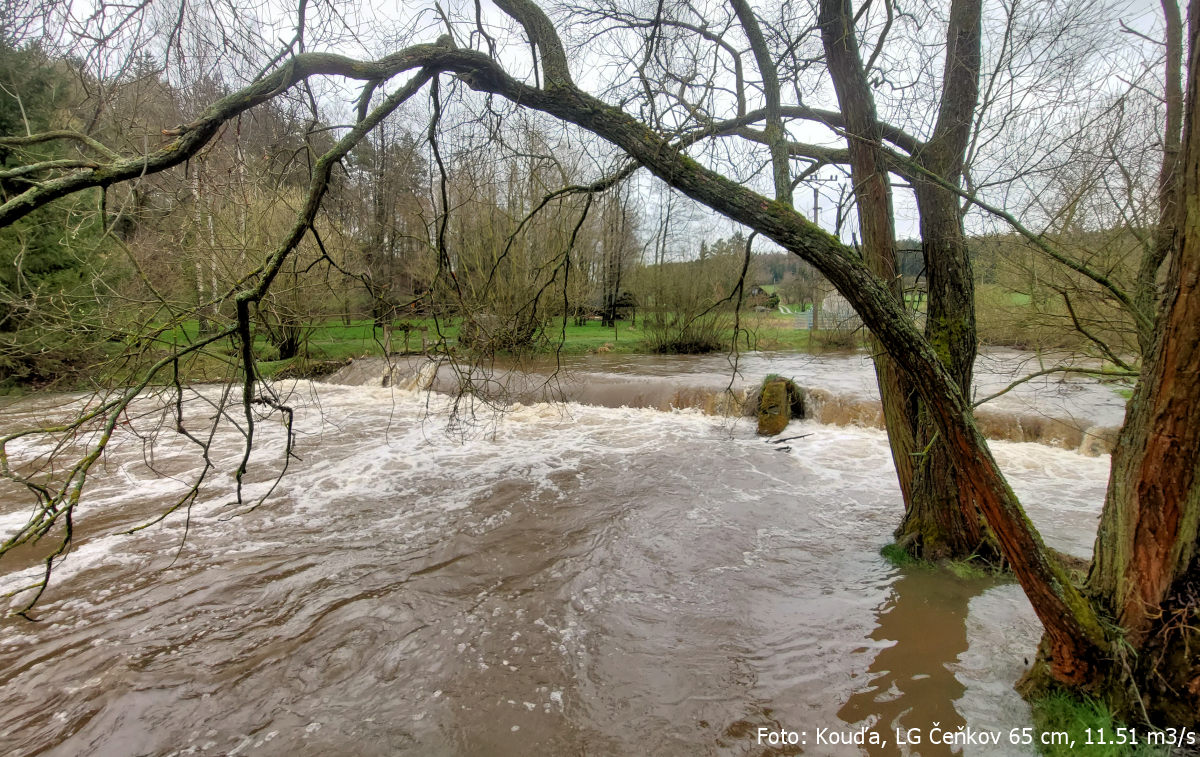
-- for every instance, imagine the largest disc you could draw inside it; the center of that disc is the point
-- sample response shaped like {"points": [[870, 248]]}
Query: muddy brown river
{"points": [[560, 579]]}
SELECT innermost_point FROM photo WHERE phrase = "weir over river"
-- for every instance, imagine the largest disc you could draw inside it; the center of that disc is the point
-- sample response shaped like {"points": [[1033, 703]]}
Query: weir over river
{"points": [[557, 579]]}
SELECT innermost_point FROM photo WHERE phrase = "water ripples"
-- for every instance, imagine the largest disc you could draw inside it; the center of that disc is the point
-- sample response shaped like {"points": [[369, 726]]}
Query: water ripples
{"points": [[571, 580]]}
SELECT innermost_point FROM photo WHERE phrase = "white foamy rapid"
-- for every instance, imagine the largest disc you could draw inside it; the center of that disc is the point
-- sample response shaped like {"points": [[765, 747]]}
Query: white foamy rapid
{"points": [[1066, 410]]}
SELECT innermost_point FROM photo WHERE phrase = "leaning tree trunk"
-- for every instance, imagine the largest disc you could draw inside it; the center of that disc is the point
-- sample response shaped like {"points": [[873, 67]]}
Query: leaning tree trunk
{"points": [[1145, 573], [1075, 635]]}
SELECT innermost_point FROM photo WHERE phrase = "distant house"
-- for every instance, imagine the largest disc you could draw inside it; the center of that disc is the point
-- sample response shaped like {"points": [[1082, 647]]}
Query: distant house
{"points": [[835, 313], [760, 297], [838, 314]]}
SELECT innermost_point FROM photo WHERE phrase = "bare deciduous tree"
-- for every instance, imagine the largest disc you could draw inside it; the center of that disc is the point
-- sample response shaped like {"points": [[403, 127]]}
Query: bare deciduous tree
{"points": [[1142, 595]]}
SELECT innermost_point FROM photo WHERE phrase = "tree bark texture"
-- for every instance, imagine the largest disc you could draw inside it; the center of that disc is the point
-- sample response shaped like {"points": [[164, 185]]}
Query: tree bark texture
{"points": [[1145, 570], [1147, 287], [873, 196], [941, 521]]}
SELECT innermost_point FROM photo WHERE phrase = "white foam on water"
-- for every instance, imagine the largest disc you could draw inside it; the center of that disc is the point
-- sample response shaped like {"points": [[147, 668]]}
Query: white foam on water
{"points": [[366, 445], [1087, 400], [373, 444], [1062, 490]]}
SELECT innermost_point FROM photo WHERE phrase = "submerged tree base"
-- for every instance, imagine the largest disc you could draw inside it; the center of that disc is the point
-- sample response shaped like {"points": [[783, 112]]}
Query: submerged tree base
{"points": [[1156, 686], [970, 567], [939, 533]]}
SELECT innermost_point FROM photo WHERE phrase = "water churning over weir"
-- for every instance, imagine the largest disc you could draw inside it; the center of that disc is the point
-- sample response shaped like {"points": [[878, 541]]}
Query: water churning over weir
{"points": [[1071, 411]]}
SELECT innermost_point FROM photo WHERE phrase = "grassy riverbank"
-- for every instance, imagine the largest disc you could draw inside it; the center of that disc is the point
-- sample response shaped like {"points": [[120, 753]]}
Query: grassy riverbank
{"points": [[329, 344], [1067, 725], [337, 342]]}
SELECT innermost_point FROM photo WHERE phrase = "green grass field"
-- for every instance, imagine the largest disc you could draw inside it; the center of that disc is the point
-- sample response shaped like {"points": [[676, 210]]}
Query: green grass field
{"points": [[757, 332], [336, 341]]}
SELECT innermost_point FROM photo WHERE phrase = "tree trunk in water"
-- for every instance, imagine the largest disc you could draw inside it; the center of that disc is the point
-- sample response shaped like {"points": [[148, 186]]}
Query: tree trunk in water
{"points": [[873, 195], [1145, 570], [941, 521], [1145, 573]]}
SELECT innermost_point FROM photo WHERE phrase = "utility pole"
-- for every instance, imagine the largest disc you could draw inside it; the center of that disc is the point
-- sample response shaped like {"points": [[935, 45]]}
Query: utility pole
{"points": [[816, 182]]}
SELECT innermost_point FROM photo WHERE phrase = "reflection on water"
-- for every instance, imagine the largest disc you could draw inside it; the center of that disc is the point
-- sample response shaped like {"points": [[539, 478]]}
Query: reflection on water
{"points": [[578, 580], [912, 684]]}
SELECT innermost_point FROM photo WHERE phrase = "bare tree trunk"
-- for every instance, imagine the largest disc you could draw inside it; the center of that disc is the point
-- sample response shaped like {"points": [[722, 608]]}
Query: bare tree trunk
{"points": [[1145, 568], [873, 194], [213, 270], [1169, 177], [203, 325], [940, 520]]}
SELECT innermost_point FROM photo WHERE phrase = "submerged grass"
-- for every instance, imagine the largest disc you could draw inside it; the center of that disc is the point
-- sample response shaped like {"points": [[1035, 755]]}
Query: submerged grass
{"points": [[966, 568], [897, 556], [970, 568]]}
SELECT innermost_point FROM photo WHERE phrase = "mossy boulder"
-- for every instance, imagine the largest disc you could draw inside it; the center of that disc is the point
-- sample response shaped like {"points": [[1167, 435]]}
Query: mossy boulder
{"points": [[779, 401]]}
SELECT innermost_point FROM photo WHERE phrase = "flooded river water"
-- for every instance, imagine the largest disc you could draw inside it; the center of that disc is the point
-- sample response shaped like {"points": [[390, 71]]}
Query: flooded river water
{"points": [[561, 579]]}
